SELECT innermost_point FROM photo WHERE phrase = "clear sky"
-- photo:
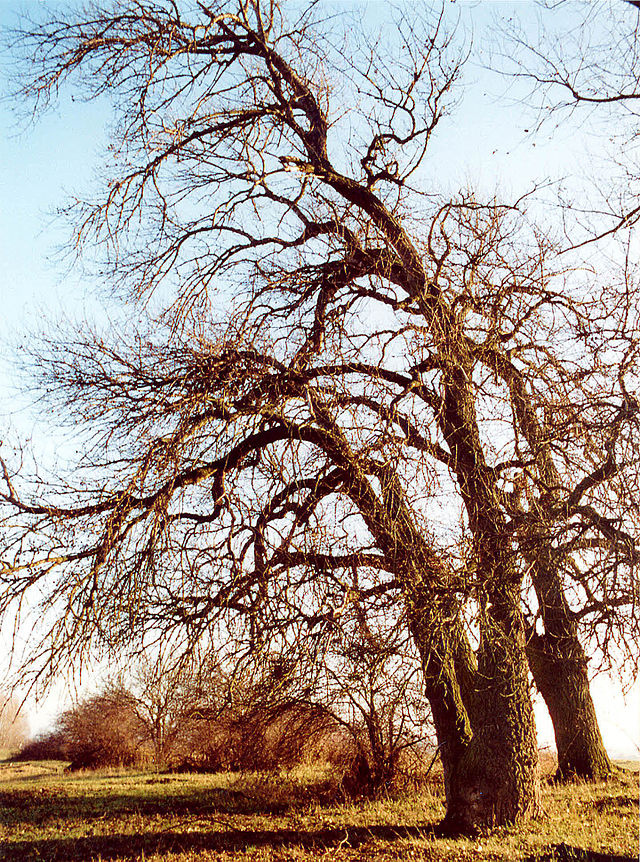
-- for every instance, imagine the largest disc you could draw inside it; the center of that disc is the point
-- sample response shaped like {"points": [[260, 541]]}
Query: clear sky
{"points": [[489, 145]]}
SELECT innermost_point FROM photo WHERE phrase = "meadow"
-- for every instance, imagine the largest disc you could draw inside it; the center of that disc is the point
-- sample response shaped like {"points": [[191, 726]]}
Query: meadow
{"points": [[47, 813]]}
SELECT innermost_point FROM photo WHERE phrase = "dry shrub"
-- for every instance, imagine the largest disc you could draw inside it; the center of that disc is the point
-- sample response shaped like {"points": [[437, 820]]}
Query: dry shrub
{"points": [[103, 730], [45, 746], [208, 741], [258, 738], [294, 733], [289, 732], [251, 731]]}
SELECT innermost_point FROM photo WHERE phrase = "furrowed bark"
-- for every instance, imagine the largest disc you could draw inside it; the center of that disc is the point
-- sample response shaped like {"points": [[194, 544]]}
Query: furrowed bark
{"points": [[483, 716], [556, 658], [559, 668]]}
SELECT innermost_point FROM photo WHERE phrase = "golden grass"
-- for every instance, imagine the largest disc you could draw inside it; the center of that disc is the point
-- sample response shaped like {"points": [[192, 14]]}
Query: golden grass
{"points": [[119, 815]]}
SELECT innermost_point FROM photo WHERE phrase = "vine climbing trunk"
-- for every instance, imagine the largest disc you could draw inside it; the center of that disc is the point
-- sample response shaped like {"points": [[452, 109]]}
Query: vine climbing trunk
{"points": [[481, 707]]}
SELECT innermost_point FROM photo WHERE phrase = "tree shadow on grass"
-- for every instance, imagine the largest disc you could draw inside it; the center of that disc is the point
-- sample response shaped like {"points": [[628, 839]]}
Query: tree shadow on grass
{"points": [[133, 846], [126, 846], [565, 853], [29, 807]]}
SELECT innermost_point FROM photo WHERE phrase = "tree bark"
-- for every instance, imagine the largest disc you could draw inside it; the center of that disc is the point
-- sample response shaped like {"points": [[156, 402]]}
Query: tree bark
{"points": [[496, 780], [482, 712], [492, 778], [559, 669], [556, 658], [483, 715]]}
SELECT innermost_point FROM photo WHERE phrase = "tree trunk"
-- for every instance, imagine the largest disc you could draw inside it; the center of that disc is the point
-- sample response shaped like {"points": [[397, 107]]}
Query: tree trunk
{"points": [[483, 716], [559, 669], [556, 659], [495, 780]]}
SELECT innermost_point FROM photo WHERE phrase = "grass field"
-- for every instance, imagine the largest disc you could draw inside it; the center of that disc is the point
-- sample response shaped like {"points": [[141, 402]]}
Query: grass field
{"points": [[47, 814]]}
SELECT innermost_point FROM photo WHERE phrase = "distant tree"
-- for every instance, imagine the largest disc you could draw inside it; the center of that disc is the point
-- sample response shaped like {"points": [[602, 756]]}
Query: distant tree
{"points": [[368, 676], [165, 691], [355, 687], [14, 725]]}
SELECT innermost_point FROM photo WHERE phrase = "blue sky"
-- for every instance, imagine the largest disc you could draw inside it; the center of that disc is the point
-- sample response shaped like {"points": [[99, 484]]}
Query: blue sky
{"points": [[41, 165]]}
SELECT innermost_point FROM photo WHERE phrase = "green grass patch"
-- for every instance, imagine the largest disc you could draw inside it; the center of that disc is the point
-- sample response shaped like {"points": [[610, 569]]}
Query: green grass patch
{"points": [[47, 814]]}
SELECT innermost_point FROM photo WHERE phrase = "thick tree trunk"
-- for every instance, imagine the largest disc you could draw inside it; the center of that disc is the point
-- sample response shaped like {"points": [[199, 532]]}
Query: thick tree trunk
{"points": [[484, 719], [445, 695], [559, 670], [495, 781], [556, 658], [483, 715]]}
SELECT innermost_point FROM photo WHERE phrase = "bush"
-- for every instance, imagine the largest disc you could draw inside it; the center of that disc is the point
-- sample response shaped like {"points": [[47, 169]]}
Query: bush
{"points": [[103, 730], [259, 737], [46, 746]]}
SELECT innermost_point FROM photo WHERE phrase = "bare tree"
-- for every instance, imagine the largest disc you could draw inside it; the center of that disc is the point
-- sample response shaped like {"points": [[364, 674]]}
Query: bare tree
{"points": [[14, 726], [352, 683], [164, 691], [404, 398], [585, 66], [369, 680], [101, 730]]}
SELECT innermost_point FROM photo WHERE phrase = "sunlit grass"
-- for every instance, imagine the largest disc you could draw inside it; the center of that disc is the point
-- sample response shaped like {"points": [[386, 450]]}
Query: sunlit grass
{"points": [[125, 814]]}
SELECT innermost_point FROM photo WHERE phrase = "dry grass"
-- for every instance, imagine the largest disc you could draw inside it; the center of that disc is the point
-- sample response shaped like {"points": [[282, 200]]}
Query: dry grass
{"points": [[123, 815]]}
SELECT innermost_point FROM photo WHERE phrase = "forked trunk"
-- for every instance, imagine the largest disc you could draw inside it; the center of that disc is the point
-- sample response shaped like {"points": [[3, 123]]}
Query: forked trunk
{"points": [[495, 782], [483, 715], [484, 723], [556, 658], [559, 669]]}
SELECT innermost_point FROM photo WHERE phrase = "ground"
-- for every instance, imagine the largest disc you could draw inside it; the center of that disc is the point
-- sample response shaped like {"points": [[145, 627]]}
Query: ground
{"points": [[47, 813]]}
